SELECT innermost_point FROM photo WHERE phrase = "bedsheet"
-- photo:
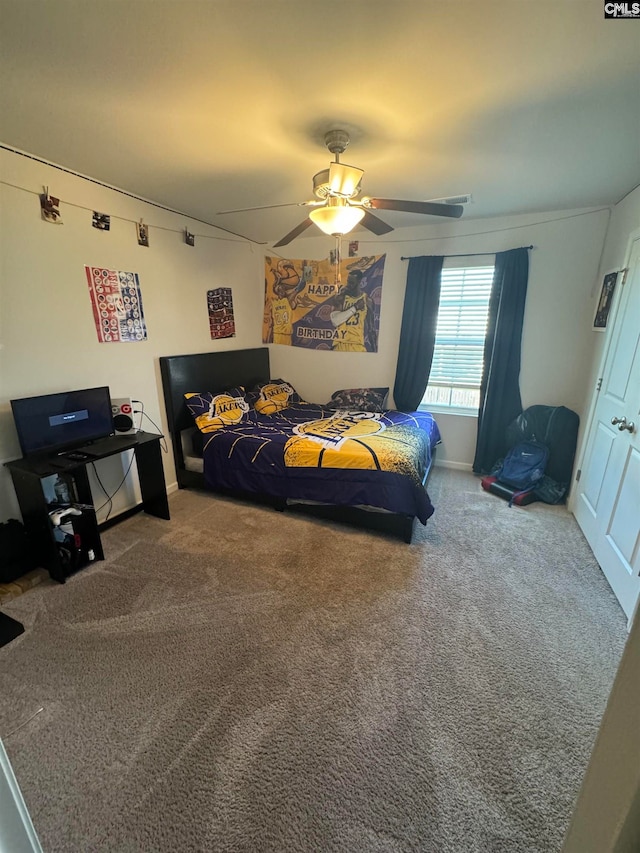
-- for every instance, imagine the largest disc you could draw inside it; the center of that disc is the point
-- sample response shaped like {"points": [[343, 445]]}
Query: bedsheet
{"points": [[308, 452]]}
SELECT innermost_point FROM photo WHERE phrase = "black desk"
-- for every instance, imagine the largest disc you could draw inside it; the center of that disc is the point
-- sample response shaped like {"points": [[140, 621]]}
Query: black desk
{"points": [[28, 473]]}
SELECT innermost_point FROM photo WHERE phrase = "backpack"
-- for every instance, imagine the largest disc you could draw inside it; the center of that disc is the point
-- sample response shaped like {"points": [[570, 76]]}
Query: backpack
{"points": [[555, 426], [523, 467]]}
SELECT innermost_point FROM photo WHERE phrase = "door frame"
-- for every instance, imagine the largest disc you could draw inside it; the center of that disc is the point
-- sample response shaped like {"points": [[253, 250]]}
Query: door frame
{"points": [[589, 422]]}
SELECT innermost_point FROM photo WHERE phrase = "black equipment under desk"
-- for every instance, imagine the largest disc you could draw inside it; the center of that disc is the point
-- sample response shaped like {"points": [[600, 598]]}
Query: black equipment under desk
{"points": [[27, 474]]}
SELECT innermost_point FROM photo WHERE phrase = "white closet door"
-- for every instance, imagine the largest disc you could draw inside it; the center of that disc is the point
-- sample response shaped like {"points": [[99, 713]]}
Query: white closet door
{"points": [[607, 506]]}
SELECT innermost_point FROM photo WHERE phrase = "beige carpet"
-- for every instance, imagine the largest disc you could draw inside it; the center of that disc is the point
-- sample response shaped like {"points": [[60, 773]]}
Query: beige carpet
{"points": [[244, 680]]}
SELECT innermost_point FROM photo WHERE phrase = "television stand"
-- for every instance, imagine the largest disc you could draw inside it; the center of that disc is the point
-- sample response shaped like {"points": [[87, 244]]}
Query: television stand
{"points": [[28, 473]]}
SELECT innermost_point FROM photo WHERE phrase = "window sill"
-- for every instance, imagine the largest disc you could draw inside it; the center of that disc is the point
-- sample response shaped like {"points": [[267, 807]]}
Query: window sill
{"points": [[449, 410]]}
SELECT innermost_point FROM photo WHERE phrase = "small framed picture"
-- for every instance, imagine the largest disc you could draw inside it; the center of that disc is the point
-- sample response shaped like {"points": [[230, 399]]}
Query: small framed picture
{"points": [[50, 208], [143, 233], [604, 303], [101, 221]]}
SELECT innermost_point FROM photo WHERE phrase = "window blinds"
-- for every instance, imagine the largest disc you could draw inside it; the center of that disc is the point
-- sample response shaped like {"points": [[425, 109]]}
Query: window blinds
{"points": [[462, 326]]}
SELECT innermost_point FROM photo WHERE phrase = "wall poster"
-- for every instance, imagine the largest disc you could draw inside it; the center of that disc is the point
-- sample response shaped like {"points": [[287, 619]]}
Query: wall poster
{"points": [[117, 305], [605, 301], [304, 306], [221, 320]]}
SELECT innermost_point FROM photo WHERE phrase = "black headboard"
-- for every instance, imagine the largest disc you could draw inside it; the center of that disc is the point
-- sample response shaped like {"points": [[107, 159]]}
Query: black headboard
{"points": [[206, 371]]}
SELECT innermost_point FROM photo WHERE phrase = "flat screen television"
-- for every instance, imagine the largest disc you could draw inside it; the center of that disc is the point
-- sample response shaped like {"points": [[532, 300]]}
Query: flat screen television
{"points": [[56, 422]]}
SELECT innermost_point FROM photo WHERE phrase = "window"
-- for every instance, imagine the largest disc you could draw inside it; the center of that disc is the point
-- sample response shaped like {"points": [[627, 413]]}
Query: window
{"points": [[456, 371]]}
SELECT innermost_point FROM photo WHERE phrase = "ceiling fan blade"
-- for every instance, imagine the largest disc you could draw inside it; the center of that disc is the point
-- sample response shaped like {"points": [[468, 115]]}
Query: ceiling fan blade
{"points": [[293, 234], [429, 207], [467, 198], [373, 223]]}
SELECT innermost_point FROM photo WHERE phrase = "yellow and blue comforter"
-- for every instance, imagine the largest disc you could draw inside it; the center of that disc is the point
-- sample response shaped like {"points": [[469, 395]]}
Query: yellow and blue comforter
{"points": [[308, 452]]}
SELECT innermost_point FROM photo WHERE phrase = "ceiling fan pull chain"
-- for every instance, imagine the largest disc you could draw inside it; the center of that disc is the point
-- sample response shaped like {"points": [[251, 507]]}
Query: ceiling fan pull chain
{"points": [[338, 259]]}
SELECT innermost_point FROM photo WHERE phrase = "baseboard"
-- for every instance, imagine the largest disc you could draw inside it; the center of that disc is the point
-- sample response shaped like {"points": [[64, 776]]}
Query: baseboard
{"points": [[456, 466], [121, 516], [132, 509]]}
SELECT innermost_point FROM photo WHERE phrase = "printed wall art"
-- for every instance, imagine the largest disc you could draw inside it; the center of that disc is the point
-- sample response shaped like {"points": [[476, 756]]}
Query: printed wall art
{"points": [[305, 305], [221, 320], [605, 301], [117, 305]]}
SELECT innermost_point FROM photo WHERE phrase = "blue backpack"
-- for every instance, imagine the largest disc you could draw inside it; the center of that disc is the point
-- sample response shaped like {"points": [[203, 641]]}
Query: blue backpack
{"points": [[523, 467]]}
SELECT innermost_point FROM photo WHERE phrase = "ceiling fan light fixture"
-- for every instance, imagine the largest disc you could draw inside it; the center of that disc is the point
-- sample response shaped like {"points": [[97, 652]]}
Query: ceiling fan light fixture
{"points": [[336, 218], [344, 180]]}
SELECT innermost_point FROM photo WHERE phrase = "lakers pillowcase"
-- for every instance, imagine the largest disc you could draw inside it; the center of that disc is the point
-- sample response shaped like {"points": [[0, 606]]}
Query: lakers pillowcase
{"points": [[273, 396], [215, 411]]}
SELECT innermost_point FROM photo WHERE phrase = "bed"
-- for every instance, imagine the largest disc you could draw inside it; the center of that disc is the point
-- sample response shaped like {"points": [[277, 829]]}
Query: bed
{"points": [[362, 468]]}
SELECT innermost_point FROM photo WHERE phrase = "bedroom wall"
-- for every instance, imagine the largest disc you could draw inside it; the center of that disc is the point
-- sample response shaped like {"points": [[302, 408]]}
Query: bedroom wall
{"points": [[48, 340], [558, 340]]}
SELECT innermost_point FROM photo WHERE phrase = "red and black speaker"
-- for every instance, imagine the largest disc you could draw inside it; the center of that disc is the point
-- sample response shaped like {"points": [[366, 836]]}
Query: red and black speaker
{"points": [[122, 412]]}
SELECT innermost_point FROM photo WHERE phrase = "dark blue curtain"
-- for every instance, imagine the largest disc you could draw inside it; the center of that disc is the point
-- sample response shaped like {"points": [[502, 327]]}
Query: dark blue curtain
{"points": [[418, 333], [500, 400]]}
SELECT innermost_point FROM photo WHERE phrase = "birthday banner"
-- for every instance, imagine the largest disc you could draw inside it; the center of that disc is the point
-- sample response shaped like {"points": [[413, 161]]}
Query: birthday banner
{"points": [[306, 306], [117, 305]]}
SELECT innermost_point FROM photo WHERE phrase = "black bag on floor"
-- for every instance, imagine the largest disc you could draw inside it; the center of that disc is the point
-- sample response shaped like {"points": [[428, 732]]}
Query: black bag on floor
{"points": [[15, 554], [557, 428], [523, 468]]}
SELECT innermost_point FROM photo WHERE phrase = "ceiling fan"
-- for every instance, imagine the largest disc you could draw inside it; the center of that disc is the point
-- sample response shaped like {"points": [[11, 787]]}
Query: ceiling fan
{"points": [[337, 208]]}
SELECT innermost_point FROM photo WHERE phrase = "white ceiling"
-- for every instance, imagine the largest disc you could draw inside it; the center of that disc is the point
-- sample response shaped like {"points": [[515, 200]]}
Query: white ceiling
{"points": [[529, 105]]}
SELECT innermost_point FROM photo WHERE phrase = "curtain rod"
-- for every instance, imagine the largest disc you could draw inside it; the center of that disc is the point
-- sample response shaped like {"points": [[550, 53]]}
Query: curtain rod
{"points": [[466, 255]]}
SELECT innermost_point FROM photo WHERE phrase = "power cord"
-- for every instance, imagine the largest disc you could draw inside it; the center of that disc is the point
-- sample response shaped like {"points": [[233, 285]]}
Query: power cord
{"points": [[109, 497], [139, 412], [163, 443]]}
